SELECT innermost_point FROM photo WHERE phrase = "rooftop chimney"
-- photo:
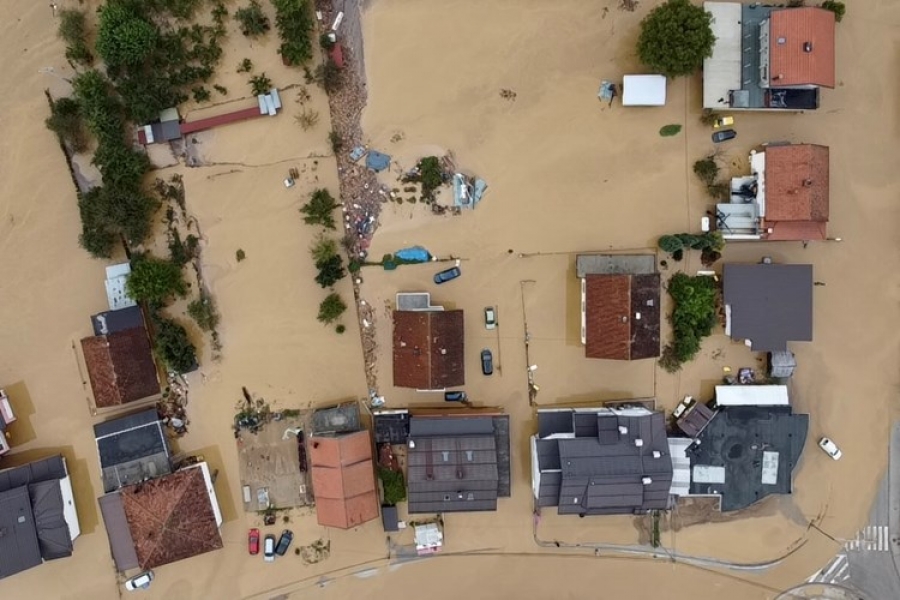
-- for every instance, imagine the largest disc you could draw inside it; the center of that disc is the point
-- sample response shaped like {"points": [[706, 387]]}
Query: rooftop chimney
{"points": [[646, 480], [657, 454], [623, 430], [807, 47], [638, 442], [807, 182]]}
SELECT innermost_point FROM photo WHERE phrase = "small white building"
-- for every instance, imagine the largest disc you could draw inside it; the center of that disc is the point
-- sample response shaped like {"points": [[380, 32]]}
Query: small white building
{"points": [[644, 90], [116, 292]]}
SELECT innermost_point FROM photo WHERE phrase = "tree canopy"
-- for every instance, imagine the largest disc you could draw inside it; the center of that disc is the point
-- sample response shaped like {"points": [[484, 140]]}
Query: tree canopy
{"points": [[155, 280], [125, 37], [675, 38], [693, 318]]}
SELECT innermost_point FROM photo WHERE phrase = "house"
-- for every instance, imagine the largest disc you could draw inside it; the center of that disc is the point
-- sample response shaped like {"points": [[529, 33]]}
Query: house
{"points": [[602, 461], [768, 57], [619, 306], [119, 359], [746, 453], [785, 197], [38, 517], [7, 417], [132, 449], [164, 130], [163, 520], [644, 90], [768, 305], [116, 290], [429, 349], [343, 479]]}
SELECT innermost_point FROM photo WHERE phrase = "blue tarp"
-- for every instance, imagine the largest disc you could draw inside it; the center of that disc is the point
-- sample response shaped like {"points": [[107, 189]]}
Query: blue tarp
{"points": [[414, 254], [377, 161]]}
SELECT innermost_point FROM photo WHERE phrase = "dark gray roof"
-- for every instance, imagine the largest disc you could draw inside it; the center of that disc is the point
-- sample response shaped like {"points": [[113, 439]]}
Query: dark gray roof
{"points": [[550, 422], [19, 547], [434, 426], [601, 470], [47, 469], [113, 321], [391, 428], [343, 418], [132, 448], [735, 439], [390, 519], [452, 473], [771, 304], [614, 264], [119, 533], [695, 419], [52, 530]]}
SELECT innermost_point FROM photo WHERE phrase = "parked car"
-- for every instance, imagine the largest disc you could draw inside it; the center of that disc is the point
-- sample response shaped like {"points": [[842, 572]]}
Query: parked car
{"points": [[830, 448], [284, 542], [447, 274], [724, 136], [269, 548], [487, 362], [253, 541], [490, 318], [721, 122], [141, 581], [455, 397]]}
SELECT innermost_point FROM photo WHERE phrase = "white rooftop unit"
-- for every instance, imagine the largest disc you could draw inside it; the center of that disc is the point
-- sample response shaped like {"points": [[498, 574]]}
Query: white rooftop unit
{"points": [[644, 90], [770, 468], [708, 474], [722, 70], [116, 294], [752, 395]]}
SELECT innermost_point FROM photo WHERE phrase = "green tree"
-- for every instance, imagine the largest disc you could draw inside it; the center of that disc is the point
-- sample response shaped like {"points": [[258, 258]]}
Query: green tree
{"points": [[331, 308], [155, 280], [836, 7], [203, 312], [693, 318], [173, 346], [329, 76], [331, 271], [707, 170], [253, 20], [66, 121], [393, 484], [324, 249], [675, 38], [320, 209], [73, 31], [125, 37], [260, 84], [431, 175], [294, 21], [670, 244]]}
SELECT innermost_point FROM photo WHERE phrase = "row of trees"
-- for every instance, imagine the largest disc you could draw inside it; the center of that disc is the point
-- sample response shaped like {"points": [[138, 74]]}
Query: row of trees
{"points": [[319, 210], [294, 21], [711, 244], [693, 318]]}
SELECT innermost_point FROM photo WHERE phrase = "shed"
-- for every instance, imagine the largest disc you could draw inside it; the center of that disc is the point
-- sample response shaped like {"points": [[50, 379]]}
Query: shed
{"points": [[390, 518], [644, 90], [752, 395]]}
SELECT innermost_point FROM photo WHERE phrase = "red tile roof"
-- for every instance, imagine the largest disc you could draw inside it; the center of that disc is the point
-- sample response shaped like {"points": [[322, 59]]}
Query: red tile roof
{"points": [[120, 367], [171, 518], [797, 183], [612, 330], [790, 64], [796, 231], [343, 479], [429, 349]]}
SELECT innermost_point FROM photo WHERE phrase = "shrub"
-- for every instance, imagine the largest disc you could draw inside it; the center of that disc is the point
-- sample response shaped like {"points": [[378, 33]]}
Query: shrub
{"points": [[173, 346], [693, 318], [336, 141], [294, 21], [155, 280], [340, 329], [179, 253], [707, 170], [331, 308], [253, 20], [431, 175], [319, 210], [307, 119], [394, 486], [719, 191], [670, 244], [66, 121], [203, 312], [836, 7], [201, 94], [708, 117], [669, 130], [331, 270], [73, 31], [221, 89], [260, 84], [329, 76], [240, 255], [245, 66], [675, 38], [124, 37], [323, 250]]}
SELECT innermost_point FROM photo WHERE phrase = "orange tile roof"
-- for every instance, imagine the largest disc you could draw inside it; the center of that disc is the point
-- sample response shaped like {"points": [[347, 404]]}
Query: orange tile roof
{"points": [[796, 231], [343, 479], [790, 64], [429, 349], [797, 183], [120, 367], [611, 329]]}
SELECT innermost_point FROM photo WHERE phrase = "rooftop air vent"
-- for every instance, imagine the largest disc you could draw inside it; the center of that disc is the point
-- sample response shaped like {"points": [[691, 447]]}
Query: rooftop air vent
{"points": [[782, 41], [638, 442], [646, 480], [623, 430], [657, 454], [807, 47]]}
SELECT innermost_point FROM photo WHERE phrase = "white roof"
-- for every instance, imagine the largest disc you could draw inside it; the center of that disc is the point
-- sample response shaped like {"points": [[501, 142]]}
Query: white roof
{"points": [[644, 90], [708, 474], [722, 71], [428, 536], [770, 468], [752, 395], [681, 466], [116, 278]]}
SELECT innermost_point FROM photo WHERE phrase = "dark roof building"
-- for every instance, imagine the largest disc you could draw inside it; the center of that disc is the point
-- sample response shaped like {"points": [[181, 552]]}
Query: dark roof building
{"points": [[429, 349], [114, 321], [619, 306], [38, 520], [457, 463], [601, 461], [120, 366], [746, 453], [768, 305], [163, 520], [132, 449], [343, 479]]}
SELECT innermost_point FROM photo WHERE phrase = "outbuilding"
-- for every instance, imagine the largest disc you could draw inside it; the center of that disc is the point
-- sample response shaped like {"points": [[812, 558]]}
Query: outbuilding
{"points": [[644, 90]]}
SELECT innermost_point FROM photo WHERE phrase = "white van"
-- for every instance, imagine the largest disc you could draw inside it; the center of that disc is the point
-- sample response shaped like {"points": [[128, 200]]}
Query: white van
{"points": [[269, 548]]}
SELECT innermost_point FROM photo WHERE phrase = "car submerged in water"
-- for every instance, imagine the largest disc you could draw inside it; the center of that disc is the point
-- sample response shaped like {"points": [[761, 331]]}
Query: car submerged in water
{"points": [[447, 275]]}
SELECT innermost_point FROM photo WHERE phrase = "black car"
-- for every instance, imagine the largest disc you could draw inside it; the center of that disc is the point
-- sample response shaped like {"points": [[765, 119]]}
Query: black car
{"points": [[487, 362], [724, 135], [447, 275], [284, 542], [455, 397]]}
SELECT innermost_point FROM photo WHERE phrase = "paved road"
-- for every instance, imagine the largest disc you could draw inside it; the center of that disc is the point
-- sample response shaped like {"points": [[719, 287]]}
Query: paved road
{"points": [[870, 562]]}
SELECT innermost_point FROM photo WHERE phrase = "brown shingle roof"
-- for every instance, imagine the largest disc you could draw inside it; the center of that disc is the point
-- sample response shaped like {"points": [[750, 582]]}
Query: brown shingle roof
{"points": [[343, 479], [171, 518], [429, 349], [797, 183], [612, 330], [120, 366], [790, 64]]}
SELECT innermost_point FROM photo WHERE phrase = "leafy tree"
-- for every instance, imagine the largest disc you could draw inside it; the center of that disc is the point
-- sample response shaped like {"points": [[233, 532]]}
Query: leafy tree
{"points": [[155, 280], [73, 31], [329, 76], [203, 312], [693, 318], [260, 84], [393, 484], [707, 169], [319, 210], [253, 20], [66, 121], [836, 7], [670, 244], [324, 249], [675, 38], [294, 21], [331, 271], [174, 346], [125, 37], [331, 308]]}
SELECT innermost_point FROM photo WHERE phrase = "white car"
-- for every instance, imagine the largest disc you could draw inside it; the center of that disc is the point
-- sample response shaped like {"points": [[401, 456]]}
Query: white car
{"points": [[141, 581], [269, 548], [830, 448], [490, 317]]}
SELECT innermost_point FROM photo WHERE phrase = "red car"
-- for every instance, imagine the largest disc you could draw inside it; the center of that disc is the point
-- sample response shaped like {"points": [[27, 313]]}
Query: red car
{"points": [[253, 541]]}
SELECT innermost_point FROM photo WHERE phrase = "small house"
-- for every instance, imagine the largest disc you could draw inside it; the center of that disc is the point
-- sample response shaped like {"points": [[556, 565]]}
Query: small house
{"points": [[429, 349], [343, 479], [644, 90]]}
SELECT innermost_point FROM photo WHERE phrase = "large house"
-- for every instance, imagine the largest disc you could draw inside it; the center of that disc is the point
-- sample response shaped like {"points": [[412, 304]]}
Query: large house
{"points": [[602, 461], [768, 305], [429, 349], [38, 519], [768, 57], [343, 479], [619, 306], [785, 197], [132, 449]]}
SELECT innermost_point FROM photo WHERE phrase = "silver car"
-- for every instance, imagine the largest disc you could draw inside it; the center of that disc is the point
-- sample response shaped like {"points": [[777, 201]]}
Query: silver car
{"points": [[830, 448]]}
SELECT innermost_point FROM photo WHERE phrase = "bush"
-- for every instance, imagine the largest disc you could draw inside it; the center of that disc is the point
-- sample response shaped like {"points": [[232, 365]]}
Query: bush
{"points": [[670, 130], [319, 210], [323, 250], [836, 7], [240, 255], [394, 486], [331, 308], [73, 31], [336, 141], [675, 38], [707, 170], [431, 175], [329, 76], [260, 84], [203, 312], [294, 21], [693, 318], [331, 271], [670, 244], [173, 345], [125, 37], [66, 121], [708, 117], [221, 89], [201, 94], [719, 191], [155, 280], [245, 66], [307, 119], [340, 329], [253, 20], [179, 253]]}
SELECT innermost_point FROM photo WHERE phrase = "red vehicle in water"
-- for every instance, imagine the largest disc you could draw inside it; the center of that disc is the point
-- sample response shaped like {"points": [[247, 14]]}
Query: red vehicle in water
{"points": [[253, 541]]}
